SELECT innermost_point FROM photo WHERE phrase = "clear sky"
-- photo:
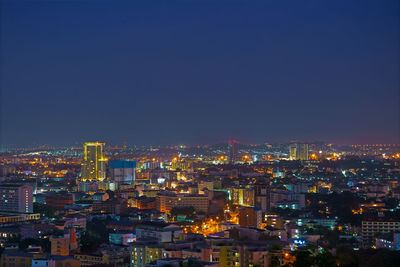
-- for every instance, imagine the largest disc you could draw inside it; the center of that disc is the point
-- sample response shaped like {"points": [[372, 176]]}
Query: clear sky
{"points": [[198, 71]]}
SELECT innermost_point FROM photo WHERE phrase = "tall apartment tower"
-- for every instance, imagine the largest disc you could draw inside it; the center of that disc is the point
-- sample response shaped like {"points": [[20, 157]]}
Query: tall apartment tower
{"points": [[293, 151], [302, 151], [16, 198], [298, 151], [262, 194], [94, 162], [233, 151]]}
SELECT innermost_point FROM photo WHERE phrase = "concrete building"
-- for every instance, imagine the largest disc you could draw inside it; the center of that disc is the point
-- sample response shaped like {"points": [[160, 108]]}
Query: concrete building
{"points": [[233, 151], [59, 200], [11, 219], [157, 231], [63, 245], [143, 253], [18, 258], [16, 198], [389, 241], [166, 201], [298, 151], [371, 226], [287, 199], [243, 196], [262, 195], [250, 217], [122, 171]]}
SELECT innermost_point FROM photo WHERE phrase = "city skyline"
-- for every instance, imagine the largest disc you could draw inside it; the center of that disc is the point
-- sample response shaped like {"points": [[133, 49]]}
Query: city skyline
{"points": [[199, 72], [209, 133]]}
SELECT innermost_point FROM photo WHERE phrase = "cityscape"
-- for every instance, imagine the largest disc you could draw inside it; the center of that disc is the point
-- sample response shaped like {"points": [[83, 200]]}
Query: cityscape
{"points": [[231, 204], [204, 133]]}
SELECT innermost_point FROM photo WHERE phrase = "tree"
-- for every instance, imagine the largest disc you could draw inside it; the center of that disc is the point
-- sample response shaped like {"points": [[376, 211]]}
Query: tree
{"points": [[191, 263], [303, 259], [347, 257], [45, 210], [325, 259], [96, 233], [43, 242], [186, 211]]}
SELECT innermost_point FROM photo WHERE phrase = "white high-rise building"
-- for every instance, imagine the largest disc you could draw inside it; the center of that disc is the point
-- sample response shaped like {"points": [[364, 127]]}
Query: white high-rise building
{"points": [[16, 198]]}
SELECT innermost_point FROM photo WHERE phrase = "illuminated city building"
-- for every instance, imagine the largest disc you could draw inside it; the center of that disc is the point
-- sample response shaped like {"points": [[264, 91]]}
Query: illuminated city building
{"points": [[144, 252], [302, 151], [150, 165], [93, 164], [298, 151], [225, 254], [262, 195], [371, 226], [292, 151], [16, 198], [62, 245], [122, 171], [389, 241], [35, 259], [243, 196], [250, 217], [166, 201], [89, 259], [254, 255], [59, 201], [13, 218], [157, 231], [182, 165], [233, 151], [273, 220]]}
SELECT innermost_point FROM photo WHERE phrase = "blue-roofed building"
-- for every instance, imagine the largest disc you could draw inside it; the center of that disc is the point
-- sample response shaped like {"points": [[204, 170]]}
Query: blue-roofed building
{"points": [[122, 171]]}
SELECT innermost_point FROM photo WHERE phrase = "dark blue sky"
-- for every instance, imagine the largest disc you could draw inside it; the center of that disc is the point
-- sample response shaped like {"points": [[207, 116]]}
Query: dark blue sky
{"points": [[171, 72]]}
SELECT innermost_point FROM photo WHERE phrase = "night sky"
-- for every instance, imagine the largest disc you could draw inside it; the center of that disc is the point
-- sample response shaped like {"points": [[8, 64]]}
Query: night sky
{"points": [[187, 72]]}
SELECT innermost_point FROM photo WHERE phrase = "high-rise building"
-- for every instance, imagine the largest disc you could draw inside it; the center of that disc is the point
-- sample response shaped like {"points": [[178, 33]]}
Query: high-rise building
{"points": [[16, 198], [122, 171], [302, 151], [233, 151], [262, 195], [250, 216], [243, 196], [293, 151], [94, 161], [298, 151]]}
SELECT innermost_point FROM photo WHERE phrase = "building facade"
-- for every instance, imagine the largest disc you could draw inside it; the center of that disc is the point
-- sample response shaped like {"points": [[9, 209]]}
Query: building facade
{"points": [[233, 151], [298, 151], [371, 226], [122, 171], [16, 198], [94, 161]]}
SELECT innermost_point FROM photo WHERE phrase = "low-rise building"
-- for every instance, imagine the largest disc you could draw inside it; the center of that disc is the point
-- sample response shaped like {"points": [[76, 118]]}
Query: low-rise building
{"points": [[371, 226], [157, 231]]}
